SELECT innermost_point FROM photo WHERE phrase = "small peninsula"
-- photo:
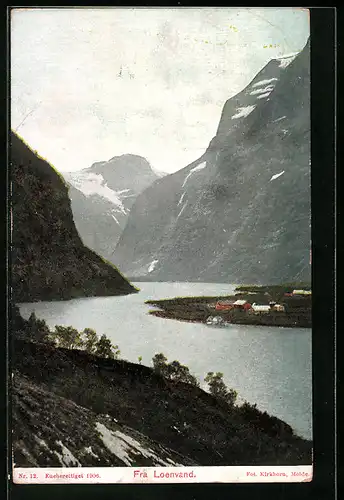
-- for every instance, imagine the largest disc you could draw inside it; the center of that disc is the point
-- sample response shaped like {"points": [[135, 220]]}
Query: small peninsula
{"points": [[277, 305]]}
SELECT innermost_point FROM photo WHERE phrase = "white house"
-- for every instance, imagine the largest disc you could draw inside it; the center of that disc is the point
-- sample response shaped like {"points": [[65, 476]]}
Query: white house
{"points": [[278, 307], [239, 302]]}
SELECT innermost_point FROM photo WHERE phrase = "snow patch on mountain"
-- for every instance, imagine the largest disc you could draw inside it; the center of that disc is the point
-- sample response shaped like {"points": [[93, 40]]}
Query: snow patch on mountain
{"points": [[123, 191], [125, 195], [286, 59], [146, 452], [114, 218], [181, 198], [269, 88], [171, 462], [276, 176], [243, 112], [115, 445], [201, 166], [41, 442], [90, 451], [90, 184], [67, 458], [152, 265], [121, 445], [262, 96], [279, 119], [182, 210], [285, 62], [264, 82]]}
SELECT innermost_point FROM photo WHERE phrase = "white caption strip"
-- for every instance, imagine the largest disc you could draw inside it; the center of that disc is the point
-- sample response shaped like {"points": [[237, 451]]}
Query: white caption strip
{"points": [[144, 475]]}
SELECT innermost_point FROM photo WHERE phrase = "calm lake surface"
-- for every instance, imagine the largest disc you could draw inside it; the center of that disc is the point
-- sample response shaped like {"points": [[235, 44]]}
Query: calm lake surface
{"points": [[270, 366]]}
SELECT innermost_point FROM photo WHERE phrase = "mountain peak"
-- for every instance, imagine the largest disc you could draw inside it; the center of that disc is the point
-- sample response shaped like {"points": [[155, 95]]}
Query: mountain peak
{"points": [[127, 156], [103, 195], [221, 218]]}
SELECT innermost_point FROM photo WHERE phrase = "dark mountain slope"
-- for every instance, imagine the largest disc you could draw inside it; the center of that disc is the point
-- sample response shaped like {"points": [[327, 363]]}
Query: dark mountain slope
{"points": [[59, 439], [241, 212], [49, 261], [172, 420]]}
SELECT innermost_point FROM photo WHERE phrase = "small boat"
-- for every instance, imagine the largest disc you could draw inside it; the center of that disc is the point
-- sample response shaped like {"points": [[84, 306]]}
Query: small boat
{"points": [[215, 321]]}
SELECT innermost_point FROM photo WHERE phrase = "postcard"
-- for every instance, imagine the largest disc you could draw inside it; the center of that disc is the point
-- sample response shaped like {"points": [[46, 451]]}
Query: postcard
{"points": [[161, 293]]}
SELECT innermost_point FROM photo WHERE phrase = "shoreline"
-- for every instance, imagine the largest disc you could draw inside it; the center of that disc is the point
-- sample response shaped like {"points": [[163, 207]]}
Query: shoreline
{"points": [[297, 313], [280, 322]]}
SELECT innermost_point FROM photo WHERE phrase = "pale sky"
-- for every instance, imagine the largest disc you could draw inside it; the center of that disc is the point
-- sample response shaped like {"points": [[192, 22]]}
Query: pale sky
{"points": [[97, 83]]}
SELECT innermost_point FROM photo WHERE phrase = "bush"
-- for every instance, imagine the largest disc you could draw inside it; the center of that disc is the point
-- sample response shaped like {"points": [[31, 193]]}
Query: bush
{"points": [[105, 349], [90, 340], [181, 373], [160, 364], [37, 330], [173, 371], [67, 337], [218, 388]]}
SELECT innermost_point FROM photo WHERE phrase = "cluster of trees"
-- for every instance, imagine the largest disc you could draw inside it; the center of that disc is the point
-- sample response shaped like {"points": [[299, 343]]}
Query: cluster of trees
{"points": [[70, 338], [87, 340], [177, 371]]}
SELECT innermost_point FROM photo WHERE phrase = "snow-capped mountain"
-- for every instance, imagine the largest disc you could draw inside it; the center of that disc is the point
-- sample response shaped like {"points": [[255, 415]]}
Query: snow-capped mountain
{"points": [[102, 197], [240, 212]]}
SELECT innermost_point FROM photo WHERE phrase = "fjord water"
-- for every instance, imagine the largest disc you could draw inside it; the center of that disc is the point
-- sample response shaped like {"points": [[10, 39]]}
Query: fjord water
{"points": [[269, 366]]}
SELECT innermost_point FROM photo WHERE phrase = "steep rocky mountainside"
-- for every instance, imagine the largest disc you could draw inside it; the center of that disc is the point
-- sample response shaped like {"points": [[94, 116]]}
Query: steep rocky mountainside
{"points": [[241, 212], [49, 260], [60, 441], [102, 197], [72, 408]]}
